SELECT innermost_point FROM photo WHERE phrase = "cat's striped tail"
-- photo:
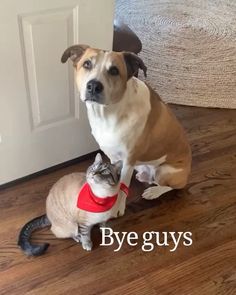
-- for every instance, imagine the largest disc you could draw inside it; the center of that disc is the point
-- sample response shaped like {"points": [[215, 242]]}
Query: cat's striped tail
{"points": [[25, 234]]}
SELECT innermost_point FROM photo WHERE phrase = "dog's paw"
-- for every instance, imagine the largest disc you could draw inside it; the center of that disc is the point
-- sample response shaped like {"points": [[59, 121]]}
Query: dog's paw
{"points": [[88, 245], [121, 205], [150, 193], [121, 212], [121, 209], [155, 192]]}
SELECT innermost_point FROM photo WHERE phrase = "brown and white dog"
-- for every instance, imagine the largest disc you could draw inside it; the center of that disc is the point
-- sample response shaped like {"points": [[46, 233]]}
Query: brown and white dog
{"points": [[129, 120]]}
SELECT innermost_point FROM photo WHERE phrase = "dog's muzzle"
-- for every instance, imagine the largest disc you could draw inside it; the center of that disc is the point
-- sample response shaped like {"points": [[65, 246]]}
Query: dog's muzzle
{"points": [[94, 89]]}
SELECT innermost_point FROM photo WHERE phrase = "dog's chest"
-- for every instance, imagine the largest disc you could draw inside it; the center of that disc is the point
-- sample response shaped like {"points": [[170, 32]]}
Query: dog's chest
{"points": [[115, 137]]}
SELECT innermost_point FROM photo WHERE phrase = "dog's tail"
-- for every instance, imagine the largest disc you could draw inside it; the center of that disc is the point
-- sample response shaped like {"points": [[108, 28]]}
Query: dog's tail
{"points": [[25, 234]]}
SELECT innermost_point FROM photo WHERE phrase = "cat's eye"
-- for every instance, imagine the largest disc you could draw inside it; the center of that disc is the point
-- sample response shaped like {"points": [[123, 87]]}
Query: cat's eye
{"points": [[87, 64], [113, 71], [105, 172]]}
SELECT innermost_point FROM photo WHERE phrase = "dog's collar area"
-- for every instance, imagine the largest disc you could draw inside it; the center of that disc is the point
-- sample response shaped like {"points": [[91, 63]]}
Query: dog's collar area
{"points": [[88, 201]]}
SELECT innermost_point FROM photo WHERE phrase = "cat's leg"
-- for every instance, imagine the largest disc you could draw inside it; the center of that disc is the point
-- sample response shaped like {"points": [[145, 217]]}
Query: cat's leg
{"points": [[167, 178], [103, 224], [77, 237], [85, 232], [126, 175], [65, 230]]}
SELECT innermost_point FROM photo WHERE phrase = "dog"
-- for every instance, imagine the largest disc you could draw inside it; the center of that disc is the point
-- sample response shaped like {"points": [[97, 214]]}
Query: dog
{"points": [[129, 120]]}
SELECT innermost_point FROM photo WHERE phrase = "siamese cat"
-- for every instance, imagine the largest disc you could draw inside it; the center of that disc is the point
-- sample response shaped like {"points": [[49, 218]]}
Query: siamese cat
{"points": [[77, 202]]}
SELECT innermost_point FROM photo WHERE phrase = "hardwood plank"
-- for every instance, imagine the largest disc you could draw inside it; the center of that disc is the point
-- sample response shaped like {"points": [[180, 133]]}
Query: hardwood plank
{"points": [[206, 273]]}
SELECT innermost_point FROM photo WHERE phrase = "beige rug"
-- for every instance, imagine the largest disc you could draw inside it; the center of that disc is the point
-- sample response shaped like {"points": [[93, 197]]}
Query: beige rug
{"points": [[189, 48]]}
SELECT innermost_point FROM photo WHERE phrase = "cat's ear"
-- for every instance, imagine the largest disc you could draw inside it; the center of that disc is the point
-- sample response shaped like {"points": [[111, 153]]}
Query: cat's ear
{"points": [[98, 159], [118, 167]]}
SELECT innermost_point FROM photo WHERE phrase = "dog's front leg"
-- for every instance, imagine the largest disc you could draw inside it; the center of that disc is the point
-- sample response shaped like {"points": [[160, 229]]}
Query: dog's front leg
{"points": [[126, 175]]}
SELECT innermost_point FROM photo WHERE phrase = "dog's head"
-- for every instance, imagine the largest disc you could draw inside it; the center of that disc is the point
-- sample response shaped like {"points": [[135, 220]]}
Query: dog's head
{"points": [[102, 76]]}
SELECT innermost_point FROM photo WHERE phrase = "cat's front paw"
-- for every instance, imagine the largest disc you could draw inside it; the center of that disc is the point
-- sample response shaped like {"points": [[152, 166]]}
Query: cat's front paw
{"points": [[88, 245], [77, 238]]}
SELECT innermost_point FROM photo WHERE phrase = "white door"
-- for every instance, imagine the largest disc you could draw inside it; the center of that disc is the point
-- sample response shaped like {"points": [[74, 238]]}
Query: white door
{"points": [[42, 121]]}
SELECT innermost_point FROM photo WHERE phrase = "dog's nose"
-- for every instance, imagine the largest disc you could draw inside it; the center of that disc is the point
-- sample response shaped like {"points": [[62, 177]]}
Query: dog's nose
{"points": [[94, 87]]}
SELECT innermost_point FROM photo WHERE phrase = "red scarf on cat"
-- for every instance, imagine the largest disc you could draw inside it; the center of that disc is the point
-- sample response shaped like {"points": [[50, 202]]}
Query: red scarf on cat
{"points": [[89, 202]]}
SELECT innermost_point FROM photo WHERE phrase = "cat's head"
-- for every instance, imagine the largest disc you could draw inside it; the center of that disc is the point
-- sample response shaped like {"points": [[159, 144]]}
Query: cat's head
{"points": [[104, 173]]}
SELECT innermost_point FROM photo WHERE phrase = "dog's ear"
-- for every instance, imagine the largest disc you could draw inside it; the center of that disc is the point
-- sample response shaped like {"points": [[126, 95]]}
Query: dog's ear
{"points": [[74, 53], [133, 64]]}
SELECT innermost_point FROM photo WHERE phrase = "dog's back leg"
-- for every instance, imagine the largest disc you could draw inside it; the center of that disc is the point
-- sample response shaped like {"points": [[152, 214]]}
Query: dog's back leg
{"points": [[167, 178]]}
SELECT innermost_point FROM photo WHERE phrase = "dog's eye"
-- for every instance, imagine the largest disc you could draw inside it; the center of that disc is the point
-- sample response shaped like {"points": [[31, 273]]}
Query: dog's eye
{"points": [[113, 71], [87, 64]]}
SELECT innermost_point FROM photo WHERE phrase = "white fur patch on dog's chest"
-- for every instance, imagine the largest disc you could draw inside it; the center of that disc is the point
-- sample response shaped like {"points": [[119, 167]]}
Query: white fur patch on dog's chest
{"points": [[115, 138], [116, 128]]}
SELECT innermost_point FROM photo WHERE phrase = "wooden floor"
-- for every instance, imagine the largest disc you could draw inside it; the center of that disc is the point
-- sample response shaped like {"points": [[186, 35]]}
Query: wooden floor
{"points": [[207, 208]]}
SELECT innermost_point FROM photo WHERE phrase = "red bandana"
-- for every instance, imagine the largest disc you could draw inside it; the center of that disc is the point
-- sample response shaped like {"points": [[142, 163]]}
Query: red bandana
{"points": [[89, 202]]}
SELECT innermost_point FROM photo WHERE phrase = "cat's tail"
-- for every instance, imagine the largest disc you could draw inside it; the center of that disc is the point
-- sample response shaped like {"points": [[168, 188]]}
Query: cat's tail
{"points": [[25, 234]]}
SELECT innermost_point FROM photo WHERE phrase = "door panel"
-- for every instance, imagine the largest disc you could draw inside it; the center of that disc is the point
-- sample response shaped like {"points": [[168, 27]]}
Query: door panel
{"points": [[42, 120], [51, 96]]}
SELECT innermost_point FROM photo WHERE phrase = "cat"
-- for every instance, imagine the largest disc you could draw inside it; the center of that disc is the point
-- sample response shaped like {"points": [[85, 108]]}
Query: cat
{"points": [[77, 202]]}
